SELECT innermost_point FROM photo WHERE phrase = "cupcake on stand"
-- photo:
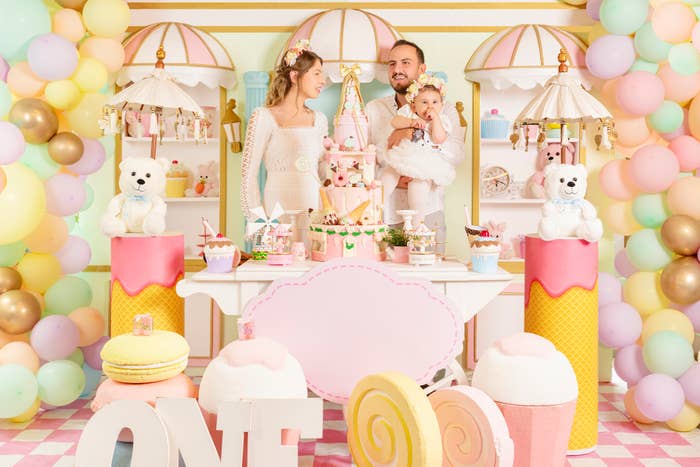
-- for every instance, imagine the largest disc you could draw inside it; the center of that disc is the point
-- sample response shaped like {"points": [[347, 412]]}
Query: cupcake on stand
{"points": [[485, 249], [220, 253]]}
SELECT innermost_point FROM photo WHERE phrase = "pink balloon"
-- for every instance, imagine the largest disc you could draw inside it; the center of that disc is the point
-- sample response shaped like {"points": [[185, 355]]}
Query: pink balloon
{"points": [[687, 150], [623, 266], [693, 313], [619, 325], [93, 157], [52, 57], [640, 93], [654, 168], [74, 256], [54, 337], [593, 9], [13, 143], [4, 68], [610, 56], [616, 181], [65, 194], [681, 131], [679, 88], [629, 364], [92, 353], [659, 397], [690, 382], [609, 289]]}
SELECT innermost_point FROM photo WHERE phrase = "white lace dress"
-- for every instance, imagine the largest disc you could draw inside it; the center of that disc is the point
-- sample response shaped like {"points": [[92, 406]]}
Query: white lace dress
{"points": [[291, 156]]}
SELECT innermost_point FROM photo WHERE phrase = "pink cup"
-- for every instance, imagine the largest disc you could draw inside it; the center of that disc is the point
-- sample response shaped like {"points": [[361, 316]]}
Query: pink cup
{"points": [[540, 433], [299, 251]]}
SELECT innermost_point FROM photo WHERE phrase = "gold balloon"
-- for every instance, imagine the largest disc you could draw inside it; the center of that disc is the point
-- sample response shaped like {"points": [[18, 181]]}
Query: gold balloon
{"points": [[35, 118], [681, 234], [19, 311], [680, 280], [73, 4], [9, 280], [66, 148]]}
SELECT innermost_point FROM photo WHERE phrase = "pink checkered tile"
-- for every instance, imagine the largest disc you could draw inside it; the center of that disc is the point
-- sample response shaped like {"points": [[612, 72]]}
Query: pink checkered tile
{"points": [[668, 439], [18, 447], [645, 451], [689, 462], [38, 461]]}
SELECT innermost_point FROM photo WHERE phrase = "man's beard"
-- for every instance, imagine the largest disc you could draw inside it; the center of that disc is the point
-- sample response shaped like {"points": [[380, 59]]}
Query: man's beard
{"points": [[403, 90]]}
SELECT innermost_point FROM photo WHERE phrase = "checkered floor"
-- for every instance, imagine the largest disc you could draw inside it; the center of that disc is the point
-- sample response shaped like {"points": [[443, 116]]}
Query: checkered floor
{"points": [[50, 439]]}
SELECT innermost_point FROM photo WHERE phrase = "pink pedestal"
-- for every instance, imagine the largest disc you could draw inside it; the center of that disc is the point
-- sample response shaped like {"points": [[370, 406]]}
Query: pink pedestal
{"points": [[279, 260], [540, 433]]}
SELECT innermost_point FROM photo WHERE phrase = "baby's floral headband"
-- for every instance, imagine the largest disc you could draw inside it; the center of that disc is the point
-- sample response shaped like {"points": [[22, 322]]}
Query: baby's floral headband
{"points": [[290, 58], [422, 81]]}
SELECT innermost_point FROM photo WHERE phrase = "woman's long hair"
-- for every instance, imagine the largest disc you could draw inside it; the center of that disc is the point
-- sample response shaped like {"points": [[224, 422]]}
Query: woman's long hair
{"points": [[282, 82]]}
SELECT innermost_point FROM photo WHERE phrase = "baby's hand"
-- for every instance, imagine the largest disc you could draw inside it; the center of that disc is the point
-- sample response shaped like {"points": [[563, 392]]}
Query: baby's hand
{"points": [[418, 123], [433, 115]]}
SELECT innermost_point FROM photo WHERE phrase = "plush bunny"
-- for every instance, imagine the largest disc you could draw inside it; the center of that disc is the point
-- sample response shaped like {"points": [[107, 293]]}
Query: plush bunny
{"points": [[498, 230], [206, 181]]}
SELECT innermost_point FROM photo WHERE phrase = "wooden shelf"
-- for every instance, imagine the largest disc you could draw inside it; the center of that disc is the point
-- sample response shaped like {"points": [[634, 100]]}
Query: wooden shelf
{"points": [[199, 199], [169, 139], [488, 201]]}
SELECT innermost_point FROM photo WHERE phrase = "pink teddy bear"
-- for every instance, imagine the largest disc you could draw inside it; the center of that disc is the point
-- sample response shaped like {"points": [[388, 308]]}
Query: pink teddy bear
{"points": [[498, 230], [206, 181], [550, 154]]}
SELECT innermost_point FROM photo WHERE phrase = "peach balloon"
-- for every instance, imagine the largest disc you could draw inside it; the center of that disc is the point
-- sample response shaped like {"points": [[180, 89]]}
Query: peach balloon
{"points": [[694, 116], [633, 411], [639, 93], [90, 323], [683, 196], [49, 236], [654, 168], [673, 22], [69, 24], [632, 132], [108, 51], [618, 216], [20, 353], [5, 338], [687, 150], [679, 88], [23, 82], [616, 182]]}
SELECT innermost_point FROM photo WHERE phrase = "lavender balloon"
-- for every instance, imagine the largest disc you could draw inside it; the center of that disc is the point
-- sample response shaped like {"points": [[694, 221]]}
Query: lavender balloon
{"points": [[659, 397], [93, 157], [52, 57], [65, 194], [74, 256], [619, 325], [623, 266], [693, 313], [690, 382], [13, 143], [4, 68], [54, 337], [92, 353], [609, 289], [610, 56], [593, 9], [629, 364]]}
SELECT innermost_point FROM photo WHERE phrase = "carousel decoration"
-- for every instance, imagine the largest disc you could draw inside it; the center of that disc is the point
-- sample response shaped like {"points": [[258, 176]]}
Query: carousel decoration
{"points": [[280, 253], [421, 246]]}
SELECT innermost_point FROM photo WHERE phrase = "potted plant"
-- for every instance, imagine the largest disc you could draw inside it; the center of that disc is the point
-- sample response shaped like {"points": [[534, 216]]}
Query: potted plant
{"points": [[397, 239]]}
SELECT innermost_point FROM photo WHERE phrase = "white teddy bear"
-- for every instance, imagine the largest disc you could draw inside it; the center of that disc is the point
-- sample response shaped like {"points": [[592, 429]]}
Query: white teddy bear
{"points": [[139, 207], [566, 213]]}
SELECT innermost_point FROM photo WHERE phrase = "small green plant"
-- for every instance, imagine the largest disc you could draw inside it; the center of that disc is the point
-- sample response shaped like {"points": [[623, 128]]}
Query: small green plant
{"points": [[396, 237]]}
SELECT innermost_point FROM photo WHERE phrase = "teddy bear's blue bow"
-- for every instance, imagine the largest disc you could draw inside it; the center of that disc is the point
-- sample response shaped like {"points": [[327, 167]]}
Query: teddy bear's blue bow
{"points": [[571, 202], [136, 197]]}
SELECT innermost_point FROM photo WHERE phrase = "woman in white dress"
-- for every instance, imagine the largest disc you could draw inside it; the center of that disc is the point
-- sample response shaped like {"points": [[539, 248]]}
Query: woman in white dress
{"points": [[287, 137]]}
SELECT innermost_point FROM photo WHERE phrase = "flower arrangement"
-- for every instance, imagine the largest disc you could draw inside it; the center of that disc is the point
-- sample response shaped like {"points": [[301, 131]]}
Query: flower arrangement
{"points": [[290, 58], [423, 80]]}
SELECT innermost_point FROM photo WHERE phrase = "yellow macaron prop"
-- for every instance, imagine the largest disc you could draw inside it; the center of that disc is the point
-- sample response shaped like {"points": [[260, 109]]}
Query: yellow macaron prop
{"points": [[145, 355]]}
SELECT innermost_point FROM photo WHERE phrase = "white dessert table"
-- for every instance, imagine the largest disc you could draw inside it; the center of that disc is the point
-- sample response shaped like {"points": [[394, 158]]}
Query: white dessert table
{"points": [[468, 290]]}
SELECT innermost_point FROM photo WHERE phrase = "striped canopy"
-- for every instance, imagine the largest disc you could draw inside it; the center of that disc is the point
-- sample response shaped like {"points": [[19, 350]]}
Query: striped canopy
{"points": [[192, 56], [526, 56], [348, 37]]}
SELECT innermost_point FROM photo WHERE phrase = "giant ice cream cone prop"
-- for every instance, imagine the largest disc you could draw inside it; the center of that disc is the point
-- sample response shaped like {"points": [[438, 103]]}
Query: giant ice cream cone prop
{"points": [[561, 304], [356, 214], [145, 271]]}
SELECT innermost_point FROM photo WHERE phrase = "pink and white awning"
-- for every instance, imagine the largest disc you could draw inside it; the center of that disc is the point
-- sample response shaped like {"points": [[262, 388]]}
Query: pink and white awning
{"points": [[348, 37], [526, 56], [192, 56]]}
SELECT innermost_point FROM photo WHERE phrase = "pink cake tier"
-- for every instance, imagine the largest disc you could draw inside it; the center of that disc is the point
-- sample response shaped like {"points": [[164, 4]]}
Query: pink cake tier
{"points": [[351, 127], [347, 241], [344, 200], [350, 168]]}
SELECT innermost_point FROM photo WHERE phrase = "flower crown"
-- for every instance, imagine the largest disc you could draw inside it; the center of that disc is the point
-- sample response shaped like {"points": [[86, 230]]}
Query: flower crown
{"points": [[422, 81], [290, 58]]}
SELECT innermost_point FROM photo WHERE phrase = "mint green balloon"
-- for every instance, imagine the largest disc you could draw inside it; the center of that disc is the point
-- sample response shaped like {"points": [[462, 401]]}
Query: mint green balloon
{"points": [[60, 382], [67, 294], [650, 210], [684, 59], [36, 157], [70, 222], [11, 253], [623, 17], [649, 46], [669, 353], [5, 99], [646, 251], [667, 118], [642, 65], [77, 357], [18, 390], [89, 197], [19, 23]]}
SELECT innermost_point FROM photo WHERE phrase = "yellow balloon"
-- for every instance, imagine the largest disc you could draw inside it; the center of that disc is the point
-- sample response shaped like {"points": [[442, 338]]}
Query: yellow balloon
{"points": [[83, 117], [619, 218], [668, 320], [68, 23], [62, 94], [90, 74], [108, 51], [29, 414], [597, 31], [39, 271], [687, 420], [643, 291], [22, 203], [106, 18]]}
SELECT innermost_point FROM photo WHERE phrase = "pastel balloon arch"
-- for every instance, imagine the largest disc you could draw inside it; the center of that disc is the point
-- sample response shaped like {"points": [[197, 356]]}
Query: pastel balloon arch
{"points": [[648, 54], [55, 63]]}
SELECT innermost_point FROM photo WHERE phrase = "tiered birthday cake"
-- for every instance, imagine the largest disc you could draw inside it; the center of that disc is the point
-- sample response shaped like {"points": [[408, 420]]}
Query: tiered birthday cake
{"points": [[350, 223]]}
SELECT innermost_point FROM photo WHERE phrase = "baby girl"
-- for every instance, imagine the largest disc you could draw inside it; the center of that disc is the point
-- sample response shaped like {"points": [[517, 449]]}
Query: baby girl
{"points": [[423, 158]]}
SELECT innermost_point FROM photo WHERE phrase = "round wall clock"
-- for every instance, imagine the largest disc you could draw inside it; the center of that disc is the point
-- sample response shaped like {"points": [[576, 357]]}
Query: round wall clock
{"points": [[495, 180]]}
